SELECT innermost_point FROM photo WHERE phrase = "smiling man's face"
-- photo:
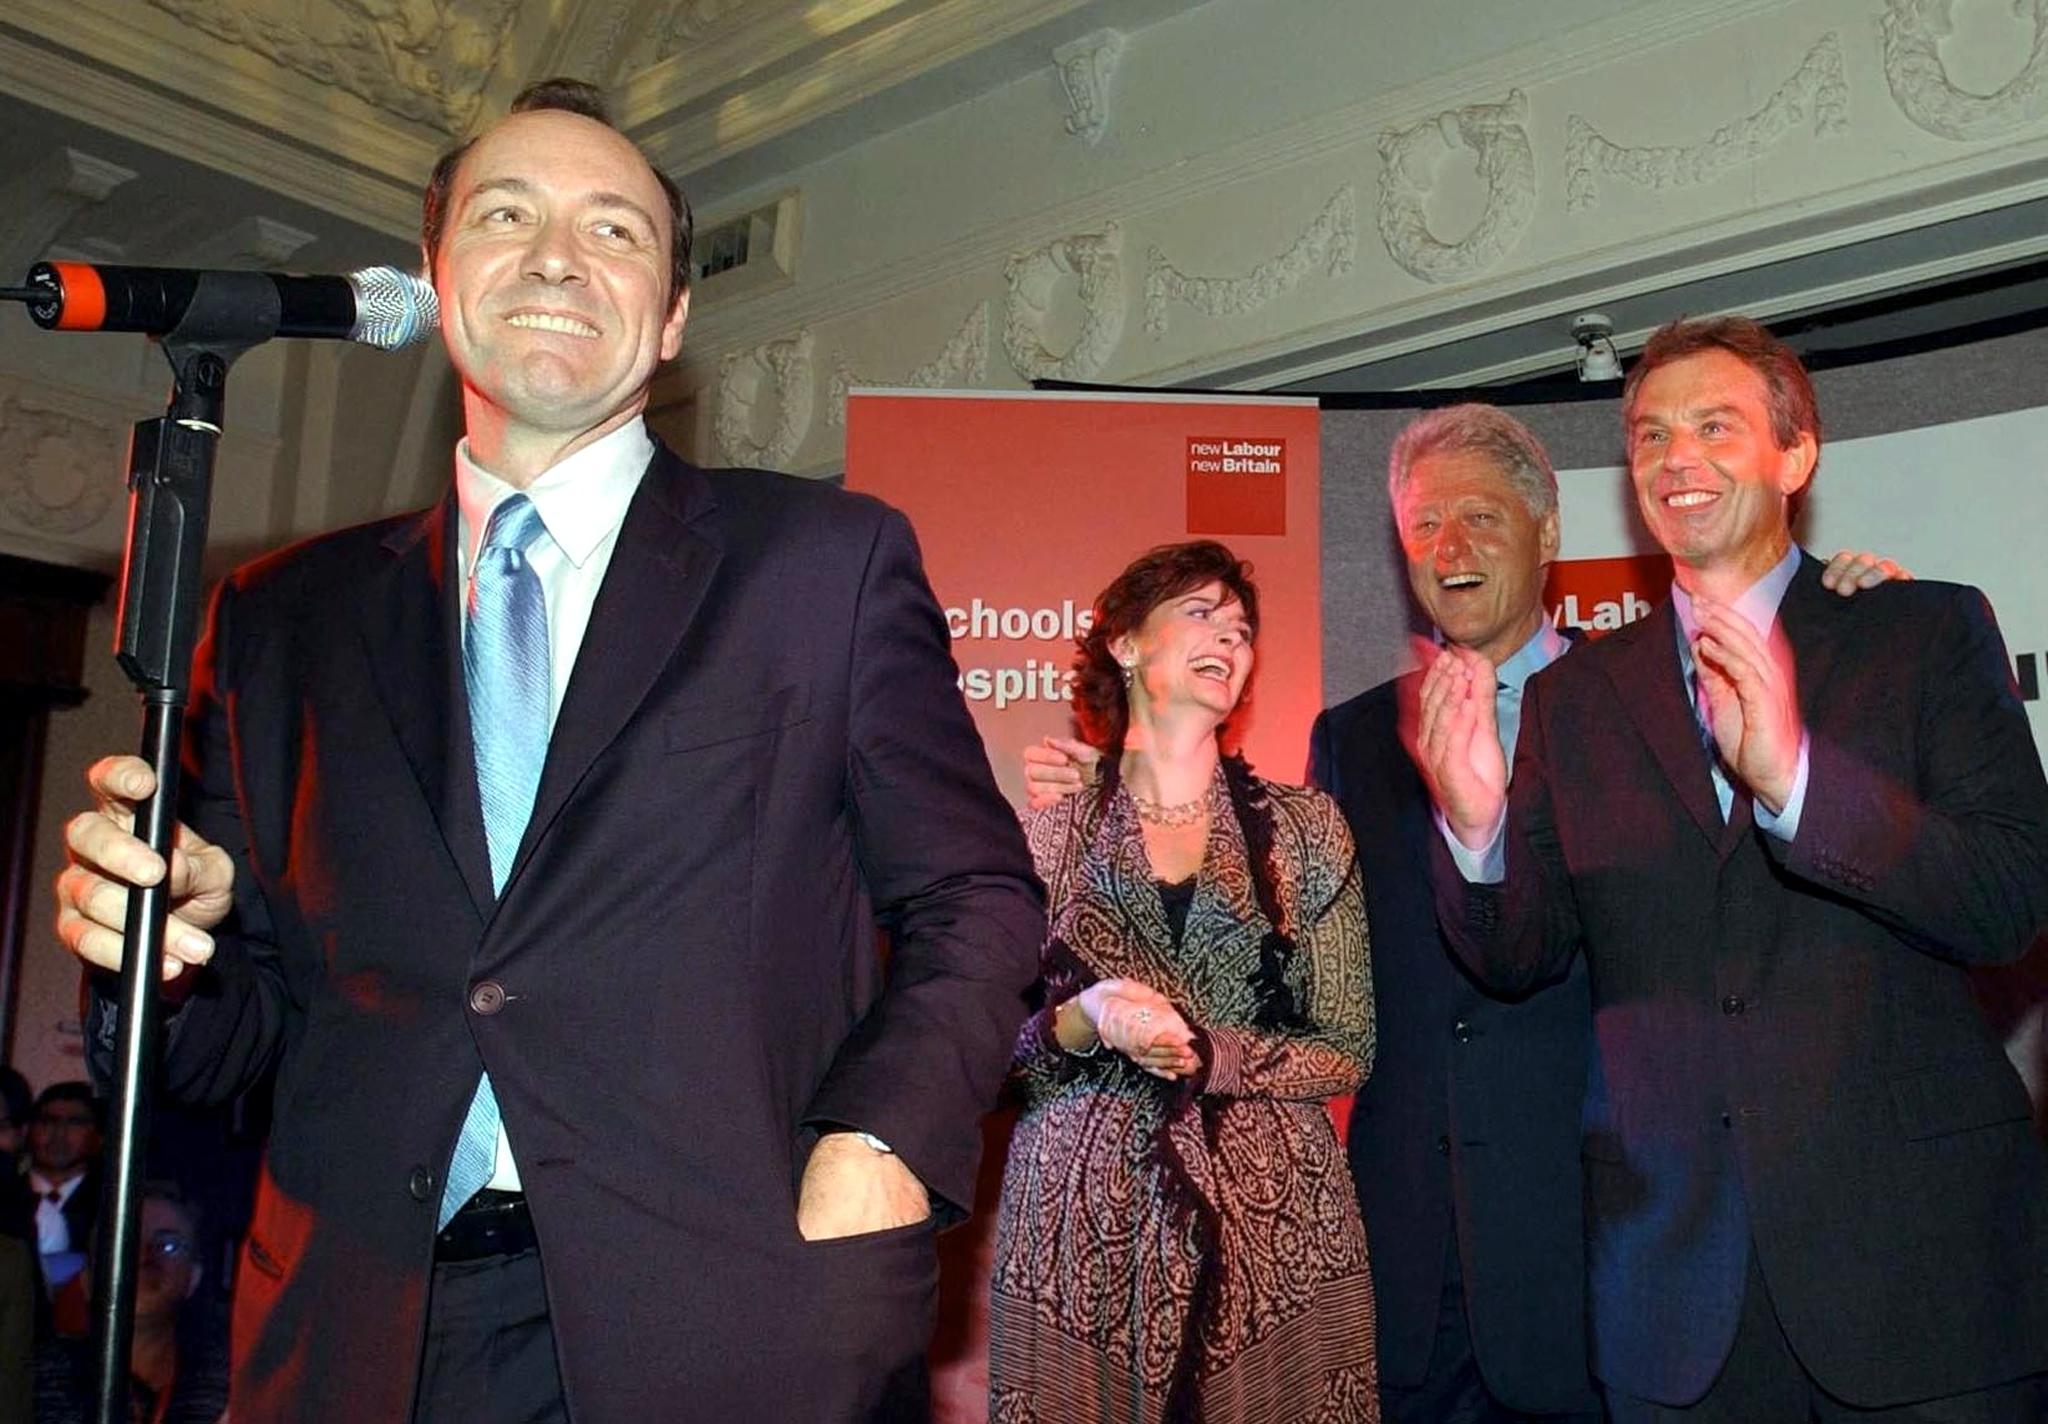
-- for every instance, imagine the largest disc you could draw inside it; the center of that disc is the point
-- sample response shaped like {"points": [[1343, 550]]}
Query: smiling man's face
{"points": [[1476, 555], [1710, 477], [553, 274]]}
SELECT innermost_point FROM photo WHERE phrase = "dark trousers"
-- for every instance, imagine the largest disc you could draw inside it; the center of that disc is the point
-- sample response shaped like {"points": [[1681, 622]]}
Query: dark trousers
{"points": [[490, 1352], [1762, 1382], [1453, 1391]]}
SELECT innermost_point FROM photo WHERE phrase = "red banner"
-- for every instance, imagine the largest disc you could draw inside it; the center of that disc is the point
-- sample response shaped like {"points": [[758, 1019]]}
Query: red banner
{"points": [[1026, 506]]}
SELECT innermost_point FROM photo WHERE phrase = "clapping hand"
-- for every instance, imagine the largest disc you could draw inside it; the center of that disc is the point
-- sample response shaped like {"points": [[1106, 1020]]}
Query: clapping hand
{"points": [[1752, 701], [1458, 744]]}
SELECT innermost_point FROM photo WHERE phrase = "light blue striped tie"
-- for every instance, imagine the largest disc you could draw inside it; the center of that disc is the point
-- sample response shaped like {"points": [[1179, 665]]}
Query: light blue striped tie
{"points": [[505, 664]]}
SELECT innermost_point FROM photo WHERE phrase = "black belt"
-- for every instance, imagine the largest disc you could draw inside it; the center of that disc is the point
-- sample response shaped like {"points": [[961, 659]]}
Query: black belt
{"points": [[488, 1224]]}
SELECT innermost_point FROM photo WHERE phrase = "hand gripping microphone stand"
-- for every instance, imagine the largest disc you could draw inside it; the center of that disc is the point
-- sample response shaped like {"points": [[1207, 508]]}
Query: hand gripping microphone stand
{"points": [[206, 321], [170, 487]]}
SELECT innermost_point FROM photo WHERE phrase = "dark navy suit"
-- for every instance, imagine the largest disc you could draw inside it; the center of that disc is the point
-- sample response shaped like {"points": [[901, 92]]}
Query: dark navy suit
{"points": [[1792, 1067], [1470, 1122]]}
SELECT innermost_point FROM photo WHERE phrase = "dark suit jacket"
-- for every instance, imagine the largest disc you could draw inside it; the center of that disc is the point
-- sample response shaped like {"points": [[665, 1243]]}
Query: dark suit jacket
{"points": [[1470, 1121], [19, 1202], [1789, 1056], [761, 754]]}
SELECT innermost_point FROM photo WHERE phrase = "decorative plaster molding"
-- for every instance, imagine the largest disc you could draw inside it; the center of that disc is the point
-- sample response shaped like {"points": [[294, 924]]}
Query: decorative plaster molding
{"points": [[745, 379], [1566, 57], [590, 51], [424, 62], [255, 241], [1330, 241], [1817, 89], [1850, 198], [1497, 134], [58, 472], [771, 71], [377, 183], [1086, 66], [686, 23], [1913, 31], [1095, 260], [962, 359], [43, 198]]}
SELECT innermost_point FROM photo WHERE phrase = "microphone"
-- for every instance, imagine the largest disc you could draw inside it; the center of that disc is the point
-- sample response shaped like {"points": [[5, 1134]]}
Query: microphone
{"points": [[379, 306]]}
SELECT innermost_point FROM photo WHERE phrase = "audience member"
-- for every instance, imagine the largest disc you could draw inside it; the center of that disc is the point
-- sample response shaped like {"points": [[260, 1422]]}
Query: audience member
{"points": [[179, 1363]]}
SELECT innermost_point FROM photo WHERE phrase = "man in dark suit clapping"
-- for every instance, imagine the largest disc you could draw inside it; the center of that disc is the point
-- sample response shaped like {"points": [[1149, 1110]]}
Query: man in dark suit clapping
{"points": [[1777, 826]]}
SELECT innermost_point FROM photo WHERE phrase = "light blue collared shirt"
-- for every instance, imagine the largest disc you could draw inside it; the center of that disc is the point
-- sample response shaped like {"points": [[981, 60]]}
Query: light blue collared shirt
{"points": [[1544, 647], [1758, 606]]}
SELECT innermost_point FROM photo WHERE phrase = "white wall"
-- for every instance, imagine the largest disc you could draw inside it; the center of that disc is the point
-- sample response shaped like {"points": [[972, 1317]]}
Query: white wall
{"points": [[1556, 156]]}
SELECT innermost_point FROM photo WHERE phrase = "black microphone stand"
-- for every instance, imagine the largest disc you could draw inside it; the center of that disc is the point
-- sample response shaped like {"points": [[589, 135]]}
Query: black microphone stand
{"points": [[170, 484]]}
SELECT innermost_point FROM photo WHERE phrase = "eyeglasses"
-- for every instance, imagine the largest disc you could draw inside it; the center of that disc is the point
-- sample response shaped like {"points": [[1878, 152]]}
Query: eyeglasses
{"points": [[168, 1246]]}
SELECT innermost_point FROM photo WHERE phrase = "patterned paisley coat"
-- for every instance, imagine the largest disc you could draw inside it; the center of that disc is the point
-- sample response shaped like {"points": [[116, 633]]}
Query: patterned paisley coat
{"points": [[1180, 1251]]}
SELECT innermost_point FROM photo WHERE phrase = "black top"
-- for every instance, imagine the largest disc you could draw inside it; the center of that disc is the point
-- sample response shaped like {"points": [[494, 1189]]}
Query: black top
{"points": [[1175, 899]]}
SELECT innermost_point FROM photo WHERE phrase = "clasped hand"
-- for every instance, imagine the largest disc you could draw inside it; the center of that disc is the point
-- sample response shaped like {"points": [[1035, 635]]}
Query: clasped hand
{"points": [[1142, 1024]]}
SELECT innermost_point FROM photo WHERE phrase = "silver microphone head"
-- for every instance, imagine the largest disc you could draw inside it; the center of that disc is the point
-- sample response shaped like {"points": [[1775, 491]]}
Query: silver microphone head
{"points": [[393, 308]]}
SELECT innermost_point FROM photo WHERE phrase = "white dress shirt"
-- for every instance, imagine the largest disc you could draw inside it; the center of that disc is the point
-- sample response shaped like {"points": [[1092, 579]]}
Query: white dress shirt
{"points": [[582, 502], [53, 1229]]}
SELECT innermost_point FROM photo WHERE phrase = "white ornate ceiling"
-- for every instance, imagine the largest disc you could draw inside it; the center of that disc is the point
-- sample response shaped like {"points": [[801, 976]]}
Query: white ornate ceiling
{"points": [[297, 132]]}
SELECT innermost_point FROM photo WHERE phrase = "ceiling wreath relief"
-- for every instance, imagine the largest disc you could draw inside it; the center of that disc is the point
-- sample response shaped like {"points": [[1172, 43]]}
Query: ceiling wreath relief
{"points": [[1330, 241], [777, 372], [1095, 261], [425, 60], [1818, 91], [1913, 68], [1497, 133], [963, 360], [58, 472]]}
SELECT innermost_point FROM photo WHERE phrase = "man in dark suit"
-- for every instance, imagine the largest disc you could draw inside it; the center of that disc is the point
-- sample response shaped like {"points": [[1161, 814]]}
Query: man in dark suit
{"points": [[1777, 825], [539, 840], [1464, 1143], [57, 1200]]}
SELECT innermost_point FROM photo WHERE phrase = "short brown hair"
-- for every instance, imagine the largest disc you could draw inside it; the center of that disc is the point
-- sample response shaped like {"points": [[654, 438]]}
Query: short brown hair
{"points": [[569, 96], [1102, 709], [1788, 391]]}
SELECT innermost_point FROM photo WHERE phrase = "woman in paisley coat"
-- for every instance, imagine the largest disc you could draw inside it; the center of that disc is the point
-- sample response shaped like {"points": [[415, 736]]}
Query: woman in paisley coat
{"points": [[1178, 1238]]}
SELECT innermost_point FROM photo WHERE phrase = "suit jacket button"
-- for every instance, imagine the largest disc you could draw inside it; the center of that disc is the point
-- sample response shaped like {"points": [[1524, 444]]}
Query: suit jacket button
{"points": [[420, 1185], [487, 997], [1733, 1005], [1461, 1031], [1443, 1146]]}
